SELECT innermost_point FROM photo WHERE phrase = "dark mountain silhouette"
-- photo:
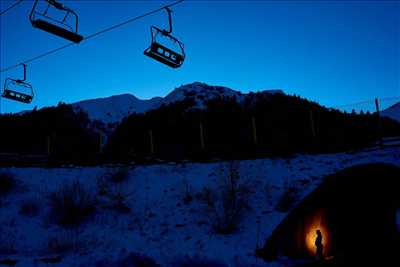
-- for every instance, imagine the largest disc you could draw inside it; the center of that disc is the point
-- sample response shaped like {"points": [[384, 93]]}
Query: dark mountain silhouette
{"points": [[114, 108], [258, 125], [194, 121]]}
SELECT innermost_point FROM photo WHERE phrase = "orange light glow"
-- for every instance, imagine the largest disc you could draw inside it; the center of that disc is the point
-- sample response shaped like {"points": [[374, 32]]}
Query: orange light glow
{"points": [[317, 222]]}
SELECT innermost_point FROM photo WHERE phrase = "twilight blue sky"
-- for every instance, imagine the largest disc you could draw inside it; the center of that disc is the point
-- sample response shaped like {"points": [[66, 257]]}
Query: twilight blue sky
{"points": [[333, 52]]}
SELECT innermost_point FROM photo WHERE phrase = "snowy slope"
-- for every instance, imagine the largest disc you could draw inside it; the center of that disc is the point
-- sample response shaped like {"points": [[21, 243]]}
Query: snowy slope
{"points": [[161, 225], [392, 112], [200, 92], [114, 108]]}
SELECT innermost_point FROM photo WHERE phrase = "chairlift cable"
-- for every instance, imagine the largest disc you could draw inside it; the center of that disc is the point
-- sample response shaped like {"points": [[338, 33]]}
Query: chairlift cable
{"points": [[93, 35], [11, 7], [132, 20]]}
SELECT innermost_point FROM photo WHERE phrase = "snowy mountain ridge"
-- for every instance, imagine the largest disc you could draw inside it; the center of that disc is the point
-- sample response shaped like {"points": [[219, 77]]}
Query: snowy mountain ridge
{"points": [[392, 112], [114, 108]]}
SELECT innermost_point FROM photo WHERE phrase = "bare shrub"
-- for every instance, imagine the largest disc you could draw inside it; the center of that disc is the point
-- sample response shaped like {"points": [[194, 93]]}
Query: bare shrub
{"points": [[197, 262], [268, 190], [7, 183], [137, 260], [227, 203], [71, 204], [187, 195], [289, 197], [112, 190], [29, 207], [61, 243], [118, 200], [69, 240], [120, 175], [7, 242], [103, 186]]}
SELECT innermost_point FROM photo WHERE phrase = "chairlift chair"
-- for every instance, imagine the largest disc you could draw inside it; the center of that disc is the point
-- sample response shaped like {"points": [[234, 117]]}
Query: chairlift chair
{"points": [[162, 53], [18, 90], [61, 28]]}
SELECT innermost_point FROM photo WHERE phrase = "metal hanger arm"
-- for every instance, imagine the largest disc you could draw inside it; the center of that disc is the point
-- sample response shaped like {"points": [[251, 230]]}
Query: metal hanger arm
{"points": [[24, 65], [169, 19]]}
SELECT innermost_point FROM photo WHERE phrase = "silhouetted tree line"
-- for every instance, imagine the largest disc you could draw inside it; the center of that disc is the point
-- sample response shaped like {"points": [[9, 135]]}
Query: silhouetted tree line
{"points": [[261, 125], [59, 132]]}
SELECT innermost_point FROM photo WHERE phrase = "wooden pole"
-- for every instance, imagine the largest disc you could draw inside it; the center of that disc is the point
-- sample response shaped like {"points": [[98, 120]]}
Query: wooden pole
{"points": [[100, 143], [258, 233], [254, 126], [151, 142], [379, 125], [201, 136], [312, 124], [48, 145]]}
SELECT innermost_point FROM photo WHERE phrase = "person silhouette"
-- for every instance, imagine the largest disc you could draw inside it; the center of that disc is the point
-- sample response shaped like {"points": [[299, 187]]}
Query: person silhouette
{"points": [[319, 245]]}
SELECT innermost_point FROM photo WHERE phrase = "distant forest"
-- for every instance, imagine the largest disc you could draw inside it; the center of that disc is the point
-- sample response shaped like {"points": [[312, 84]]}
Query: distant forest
{"points": [[58, 131], [262, 125]]}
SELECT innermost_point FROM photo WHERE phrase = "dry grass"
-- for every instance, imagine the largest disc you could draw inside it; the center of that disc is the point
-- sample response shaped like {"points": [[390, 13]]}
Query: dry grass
{"points": [[228, 202], [71, 204], [7, 183]]}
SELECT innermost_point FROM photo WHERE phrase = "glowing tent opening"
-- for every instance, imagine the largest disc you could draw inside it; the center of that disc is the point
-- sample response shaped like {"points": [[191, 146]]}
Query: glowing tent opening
{"points": [[317, 222]]}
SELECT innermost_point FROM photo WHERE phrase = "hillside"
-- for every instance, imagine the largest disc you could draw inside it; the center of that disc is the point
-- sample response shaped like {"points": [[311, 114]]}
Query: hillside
{"points": [[392, 112], [114, 108], [158, 211], [196, 122]]}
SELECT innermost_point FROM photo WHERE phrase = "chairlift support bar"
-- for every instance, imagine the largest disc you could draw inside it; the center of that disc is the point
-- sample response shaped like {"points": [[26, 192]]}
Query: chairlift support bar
{"points": [[169, 20], [23, 65]]}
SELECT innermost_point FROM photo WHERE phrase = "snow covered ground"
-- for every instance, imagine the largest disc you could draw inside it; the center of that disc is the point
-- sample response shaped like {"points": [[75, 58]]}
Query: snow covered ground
{"points": [[160, 224], [392, 112]]}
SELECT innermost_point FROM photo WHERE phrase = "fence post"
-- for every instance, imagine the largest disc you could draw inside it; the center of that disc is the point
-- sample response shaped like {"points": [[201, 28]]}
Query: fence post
{"points": [[151, 142], [254, 127], [312, 124], [379, 125], [258, 233], [48, 145], [201, 135], [101, 143]]}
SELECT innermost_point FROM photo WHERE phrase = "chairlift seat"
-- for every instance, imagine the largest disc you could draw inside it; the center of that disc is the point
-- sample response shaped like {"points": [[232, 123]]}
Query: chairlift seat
{"points": [[11, 86], [17, 96], [59, 31], [164, 55]]}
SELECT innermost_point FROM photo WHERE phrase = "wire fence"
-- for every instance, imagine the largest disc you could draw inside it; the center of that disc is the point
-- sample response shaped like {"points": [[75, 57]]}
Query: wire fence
{"points": [[369, 105], [386, 108]]}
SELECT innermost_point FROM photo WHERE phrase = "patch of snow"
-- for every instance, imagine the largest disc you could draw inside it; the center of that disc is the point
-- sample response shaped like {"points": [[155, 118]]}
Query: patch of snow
{"points": [[392, 112], [160, 224], [201, 93], [115, 108]]}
